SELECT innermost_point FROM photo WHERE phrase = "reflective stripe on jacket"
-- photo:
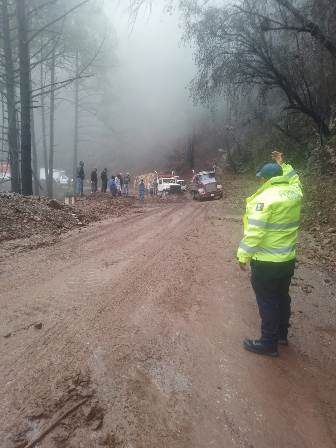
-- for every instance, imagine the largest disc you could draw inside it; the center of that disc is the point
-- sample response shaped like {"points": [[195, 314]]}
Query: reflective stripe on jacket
{"points": [[271, 222]]}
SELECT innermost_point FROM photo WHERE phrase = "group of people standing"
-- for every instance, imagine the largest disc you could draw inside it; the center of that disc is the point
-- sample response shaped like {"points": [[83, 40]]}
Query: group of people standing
{"points": [[117, 185]]}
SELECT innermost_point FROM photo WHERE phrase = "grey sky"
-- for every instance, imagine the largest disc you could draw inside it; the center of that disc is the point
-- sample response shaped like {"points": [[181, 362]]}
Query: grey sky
{"points": [[154, 70], [145, 107]]}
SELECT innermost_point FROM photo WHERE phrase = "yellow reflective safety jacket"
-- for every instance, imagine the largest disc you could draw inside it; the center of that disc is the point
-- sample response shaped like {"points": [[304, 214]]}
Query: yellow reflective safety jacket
{"points": [[271, 222], [291, 174]]}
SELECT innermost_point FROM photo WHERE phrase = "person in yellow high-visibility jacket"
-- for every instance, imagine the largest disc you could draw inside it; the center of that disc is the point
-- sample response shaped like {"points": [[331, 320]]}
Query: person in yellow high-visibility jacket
{"points": [[271, 225]]}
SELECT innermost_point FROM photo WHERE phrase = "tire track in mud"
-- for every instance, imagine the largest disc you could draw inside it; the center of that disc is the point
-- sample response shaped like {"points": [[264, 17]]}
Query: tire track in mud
{"points": [[170, 363], [144, 349], [81, 276]]}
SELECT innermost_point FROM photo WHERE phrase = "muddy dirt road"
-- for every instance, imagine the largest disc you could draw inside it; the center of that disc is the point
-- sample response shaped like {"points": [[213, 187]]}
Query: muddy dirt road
{"points": [[143, 318]]}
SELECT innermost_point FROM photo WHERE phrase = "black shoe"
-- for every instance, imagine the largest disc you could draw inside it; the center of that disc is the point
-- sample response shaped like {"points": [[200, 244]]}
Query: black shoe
{"points": [[260, 348], [283, 341]]}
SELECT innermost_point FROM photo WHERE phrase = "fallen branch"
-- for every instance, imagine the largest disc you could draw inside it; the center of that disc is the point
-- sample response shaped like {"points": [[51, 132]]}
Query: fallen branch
{"points": [[55, 423]]}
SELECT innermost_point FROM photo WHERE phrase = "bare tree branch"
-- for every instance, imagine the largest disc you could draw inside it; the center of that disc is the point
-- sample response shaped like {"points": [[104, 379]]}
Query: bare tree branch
{"points": [[53, 22], [311, 27]]}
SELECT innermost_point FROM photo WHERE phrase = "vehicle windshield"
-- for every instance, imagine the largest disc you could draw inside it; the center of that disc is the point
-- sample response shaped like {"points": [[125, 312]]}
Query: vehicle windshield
{"points": [[207, 176]]}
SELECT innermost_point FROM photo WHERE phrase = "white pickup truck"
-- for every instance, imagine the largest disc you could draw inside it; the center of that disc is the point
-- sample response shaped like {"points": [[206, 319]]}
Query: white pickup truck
{"points": [[167, 183]]}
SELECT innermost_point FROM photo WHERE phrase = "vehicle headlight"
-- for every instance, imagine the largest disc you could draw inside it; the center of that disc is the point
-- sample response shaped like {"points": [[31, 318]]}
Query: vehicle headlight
{"points": [[201, 190], [219, 187]]}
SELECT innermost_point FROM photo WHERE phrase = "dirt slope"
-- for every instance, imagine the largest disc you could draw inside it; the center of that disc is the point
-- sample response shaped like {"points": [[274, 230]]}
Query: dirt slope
{"points": [[29, 222], [143, 316]]}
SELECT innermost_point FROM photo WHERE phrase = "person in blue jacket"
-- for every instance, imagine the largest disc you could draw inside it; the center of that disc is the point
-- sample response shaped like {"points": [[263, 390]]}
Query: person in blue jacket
{"points": [[142, 190], [113, 186]]}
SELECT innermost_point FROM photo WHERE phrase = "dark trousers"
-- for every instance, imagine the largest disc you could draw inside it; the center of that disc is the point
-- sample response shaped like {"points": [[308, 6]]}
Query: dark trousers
{"points": [[271, 282], [94, 186], [82, 187]]}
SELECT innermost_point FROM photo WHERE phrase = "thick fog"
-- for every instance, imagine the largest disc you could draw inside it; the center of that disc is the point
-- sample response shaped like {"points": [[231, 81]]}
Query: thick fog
{"points": [[139, 110]]}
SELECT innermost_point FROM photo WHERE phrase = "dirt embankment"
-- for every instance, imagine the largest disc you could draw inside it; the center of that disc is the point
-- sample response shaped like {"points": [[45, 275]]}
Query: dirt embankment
{"points": [[319, 220], [28, 222]]}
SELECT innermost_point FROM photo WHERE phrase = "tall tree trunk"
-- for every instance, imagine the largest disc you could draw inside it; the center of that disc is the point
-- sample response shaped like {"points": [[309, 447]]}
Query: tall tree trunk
{"points": [[10, 93], [25, 97], [76, 124], [52, 125], [36, 173], [44, 125], [36, 176]]}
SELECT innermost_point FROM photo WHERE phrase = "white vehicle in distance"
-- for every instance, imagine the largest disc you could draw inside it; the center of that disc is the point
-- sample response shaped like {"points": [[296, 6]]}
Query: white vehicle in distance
{"points": [[59, 176], [64, 180], [167, 183], [5, 172]]}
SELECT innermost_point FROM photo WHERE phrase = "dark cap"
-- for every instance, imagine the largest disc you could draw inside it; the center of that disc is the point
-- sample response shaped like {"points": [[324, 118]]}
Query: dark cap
{"points": [[270, 170]]}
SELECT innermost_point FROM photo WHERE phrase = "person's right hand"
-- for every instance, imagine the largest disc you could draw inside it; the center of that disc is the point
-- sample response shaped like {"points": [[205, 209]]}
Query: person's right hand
{"points": [[243, 266], [278, 157]]}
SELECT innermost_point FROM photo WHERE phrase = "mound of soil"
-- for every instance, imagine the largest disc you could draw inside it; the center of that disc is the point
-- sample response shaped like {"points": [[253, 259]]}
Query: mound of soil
{"points": [[102, 205], [23, 217]]}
